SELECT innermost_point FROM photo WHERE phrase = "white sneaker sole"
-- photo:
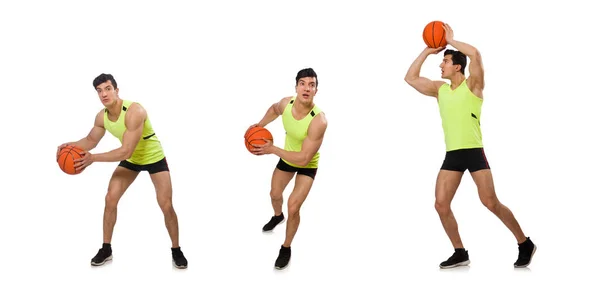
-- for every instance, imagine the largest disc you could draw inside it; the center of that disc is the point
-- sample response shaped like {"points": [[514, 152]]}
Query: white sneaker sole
{"points": [[102, 262], [460, 264], [178, 267]]}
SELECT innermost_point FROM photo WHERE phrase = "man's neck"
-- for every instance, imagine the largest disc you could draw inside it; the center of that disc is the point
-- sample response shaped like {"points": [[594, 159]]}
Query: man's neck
{"points": [[304, 108], [115, 109], [457, 80]]}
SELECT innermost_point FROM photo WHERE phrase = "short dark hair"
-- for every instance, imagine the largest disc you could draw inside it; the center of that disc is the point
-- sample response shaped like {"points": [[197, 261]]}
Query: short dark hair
{"points": [[102, 78], [308, 72], [458, 58]]}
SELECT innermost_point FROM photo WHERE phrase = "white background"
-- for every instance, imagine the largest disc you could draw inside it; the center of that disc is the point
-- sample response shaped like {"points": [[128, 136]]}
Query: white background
{"points": [[369, 229]]}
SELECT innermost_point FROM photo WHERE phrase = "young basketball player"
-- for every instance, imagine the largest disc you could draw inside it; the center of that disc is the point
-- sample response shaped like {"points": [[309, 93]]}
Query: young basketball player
{"points": [[140, 151], [305, 126], [460, 108]]}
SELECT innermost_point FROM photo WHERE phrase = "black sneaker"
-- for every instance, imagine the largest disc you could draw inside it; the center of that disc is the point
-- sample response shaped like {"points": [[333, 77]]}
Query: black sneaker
{"points": [[459, 258], [275, 220], [526, 251], [103, 255], [284, 257], [179, 259]]}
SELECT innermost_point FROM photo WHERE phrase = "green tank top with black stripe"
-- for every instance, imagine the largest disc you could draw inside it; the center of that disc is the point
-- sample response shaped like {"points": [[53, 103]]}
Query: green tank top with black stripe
{"points": [[460, 111], [296, 131], [148, 150]]}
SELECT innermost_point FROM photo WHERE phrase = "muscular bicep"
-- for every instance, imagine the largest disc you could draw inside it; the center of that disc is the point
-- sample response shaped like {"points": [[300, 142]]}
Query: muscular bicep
{"points": [[476, 71], [134, 123], [97, 132], [425, 86], [314, 138]]}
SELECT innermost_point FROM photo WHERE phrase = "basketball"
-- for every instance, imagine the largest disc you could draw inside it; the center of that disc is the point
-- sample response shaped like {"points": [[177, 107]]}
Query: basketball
{"points": [[255, 136], [434, 34], [66, 159]]}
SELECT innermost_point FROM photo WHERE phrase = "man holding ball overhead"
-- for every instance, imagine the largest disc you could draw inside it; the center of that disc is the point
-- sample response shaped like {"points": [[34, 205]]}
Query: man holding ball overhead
{"points": [[140, 151], [460, 107], [305, 126]]}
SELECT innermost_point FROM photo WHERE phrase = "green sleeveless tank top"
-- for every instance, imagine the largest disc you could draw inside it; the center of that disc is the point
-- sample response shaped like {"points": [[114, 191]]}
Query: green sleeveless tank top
{"points": [[148, 149], [460, 110], [296, 131]]}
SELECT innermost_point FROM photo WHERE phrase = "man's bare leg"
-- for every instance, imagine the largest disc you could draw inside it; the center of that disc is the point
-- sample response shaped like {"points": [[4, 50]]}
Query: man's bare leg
{"points": [[120, 181], [487, 194], [446, 185], [279, 182], [302, 187], [164, 196]]}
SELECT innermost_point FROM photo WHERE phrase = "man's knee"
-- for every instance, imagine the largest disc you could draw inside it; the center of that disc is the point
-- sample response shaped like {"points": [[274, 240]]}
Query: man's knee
{"points": [[442, 206], [276, 194], [166, 203], [111, 200], [294, 206], [491, 202]]}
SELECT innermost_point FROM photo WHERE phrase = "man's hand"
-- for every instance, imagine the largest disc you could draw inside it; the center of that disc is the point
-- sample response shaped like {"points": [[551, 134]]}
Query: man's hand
{"points": [[430, 51], [266, 148], [449, 33], [81, 163], [60, 148]]}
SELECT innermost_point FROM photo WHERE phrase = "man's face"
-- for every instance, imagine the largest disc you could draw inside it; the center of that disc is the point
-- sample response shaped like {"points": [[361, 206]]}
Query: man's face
{"points": [[306, 88], [107, 93], [448, 68]]}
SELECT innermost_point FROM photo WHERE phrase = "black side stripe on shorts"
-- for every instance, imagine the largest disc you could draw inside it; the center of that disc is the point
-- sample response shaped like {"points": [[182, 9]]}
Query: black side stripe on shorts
{"points": [[147, 137], [473, 115]]}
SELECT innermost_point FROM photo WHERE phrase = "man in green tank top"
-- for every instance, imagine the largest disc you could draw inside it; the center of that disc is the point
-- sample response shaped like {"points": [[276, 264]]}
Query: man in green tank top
{"points": [[460, 109], [305, 126], [140, 151]]}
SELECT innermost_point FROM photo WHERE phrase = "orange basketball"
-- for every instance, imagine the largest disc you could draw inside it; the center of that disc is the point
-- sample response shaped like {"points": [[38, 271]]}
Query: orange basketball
{"points": [[66, 158], [434, 34], [255, 136]]}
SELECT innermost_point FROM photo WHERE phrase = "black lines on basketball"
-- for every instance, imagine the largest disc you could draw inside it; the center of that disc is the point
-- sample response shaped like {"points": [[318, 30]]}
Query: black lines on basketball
{"points": [[66, 159], [247, 138], [66, 155], [256, 135], [433, 31], [433, 34], [250, 142]]}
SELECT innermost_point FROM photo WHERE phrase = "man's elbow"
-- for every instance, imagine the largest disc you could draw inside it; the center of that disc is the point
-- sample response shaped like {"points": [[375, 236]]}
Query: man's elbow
{"points": [[305, 160], [476, 55], [303, 164], [126, 153], [411, 81]]}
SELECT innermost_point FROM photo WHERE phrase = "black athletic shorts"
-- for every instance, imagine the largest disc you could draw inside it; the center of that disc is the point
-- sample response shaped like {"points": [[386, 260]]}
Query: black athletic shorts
{"points": [[152, 168], [310, 172], [460, 160]]}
